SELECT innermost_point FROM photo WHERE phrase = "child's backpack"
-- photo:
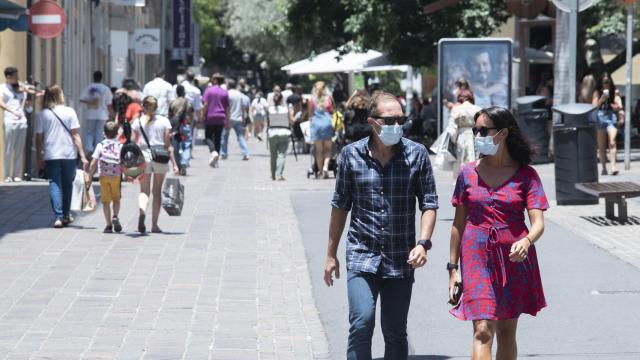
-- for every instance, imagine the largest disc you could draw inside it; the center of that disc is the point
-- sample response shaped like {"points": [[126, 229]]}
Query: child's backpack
{"points": [[110, 154]]}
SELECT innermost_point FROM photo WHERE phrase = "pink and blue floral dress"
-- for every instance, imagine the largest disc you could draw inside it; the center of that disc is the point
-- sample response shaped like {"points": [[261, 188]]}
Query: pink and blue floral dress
{"points": [[494, 287]]}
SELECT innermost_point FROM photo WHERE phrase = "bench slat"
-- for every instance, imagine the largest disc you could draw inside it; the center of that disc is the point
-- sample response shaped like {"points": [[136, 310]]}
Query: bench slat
{"points": [[610, 189]]}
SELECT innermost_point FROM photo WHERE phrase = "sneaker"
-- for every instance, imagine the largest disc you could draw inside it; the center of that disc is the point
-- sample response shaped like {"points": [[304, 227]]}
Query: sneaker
{"points": [[66, 220], [213, 159], [17, 179], [183, 170], [141, 228], [8, 179], [108, 229], [58, 224], [245, 158], [117, 227], [224, 157], [281, 178]]}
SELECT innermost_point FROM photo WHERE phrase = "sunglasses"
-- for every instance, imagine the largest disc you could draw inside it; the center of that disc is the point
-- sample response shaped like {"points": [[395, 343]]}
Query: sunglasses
{"points": [[483, 131], [392, 120]]}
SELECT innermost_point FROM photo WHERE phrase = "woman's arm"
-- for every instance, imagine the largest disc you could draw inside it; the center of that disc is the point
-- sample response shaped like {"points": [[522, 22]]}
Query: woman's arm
{"points": [[457, 230], [520, 248], [169, 146], [456, 234]]}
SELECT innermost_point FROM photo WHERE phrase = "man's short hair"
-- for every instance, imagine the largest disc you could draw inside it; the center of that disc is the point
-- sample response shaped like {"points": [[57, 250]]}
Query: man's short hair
{"points": [[219, 78], [180, 91], [377, 98], [97, 76], [10, 71], [190, 75], [110, 129], [160, 73], [231, 84]]}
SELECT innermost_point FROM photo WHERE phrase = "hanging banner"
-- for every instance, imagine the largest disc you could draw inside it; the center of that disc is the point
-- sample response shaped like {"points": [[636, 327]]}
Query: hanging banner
{"points": [[182, 24], [146, 41]]}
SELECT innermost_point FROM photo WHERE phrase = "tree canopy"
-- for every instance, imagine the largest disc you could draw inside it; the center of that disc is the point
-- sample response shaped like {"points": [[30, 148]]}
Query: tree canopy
{"points": [[398, 28]]}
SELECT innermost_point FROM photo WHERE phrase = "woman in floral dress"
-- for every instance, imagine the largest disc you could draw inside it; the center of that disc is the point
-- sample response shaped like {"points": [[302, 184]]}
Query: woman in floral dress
{"points": [[500, 274]]}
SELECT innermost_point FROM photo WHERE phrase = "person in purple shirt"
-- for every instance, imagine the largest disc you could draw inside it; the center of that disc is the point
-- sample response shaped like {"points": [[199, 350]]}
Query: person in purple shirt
{"points": [[216, 116]]}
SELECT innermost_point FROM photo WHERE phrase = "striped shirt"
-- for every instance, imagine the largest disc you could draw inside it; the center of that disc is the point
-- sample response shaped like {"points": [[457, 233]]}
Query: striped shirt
{"points": [[382, 202]]}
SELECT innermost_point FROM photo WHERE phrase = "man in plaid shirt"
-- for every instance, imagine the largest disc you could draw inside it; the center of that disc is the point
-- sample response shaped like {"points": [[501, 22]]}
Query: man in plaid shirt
{"points": [[379, 179]]}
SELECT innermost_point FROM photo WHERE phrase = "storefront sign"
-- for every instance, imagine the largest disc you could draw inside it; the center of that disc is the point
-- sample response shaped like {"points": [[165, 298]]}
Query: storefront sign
{"points": [[146, 41]]}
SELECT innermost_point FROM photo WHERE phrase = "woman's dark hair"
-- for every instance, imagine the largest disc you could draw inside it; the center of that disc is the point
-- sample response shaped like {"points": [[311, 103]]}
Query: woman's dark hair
{"points": [[465, 95], [606, 82], [120, 103], [518, 147]]}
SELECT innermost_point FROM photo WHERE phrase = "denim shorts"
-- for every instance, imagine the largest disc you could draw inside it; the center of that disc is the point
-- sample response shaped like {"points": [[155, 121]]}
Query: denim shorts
{"points": [[606, 119]]}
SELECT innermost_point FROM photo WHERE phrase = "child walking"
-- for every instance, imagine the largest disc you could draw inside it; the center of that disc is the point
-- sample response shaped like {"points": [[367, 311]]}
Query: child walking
{"points": [[106, 157]]}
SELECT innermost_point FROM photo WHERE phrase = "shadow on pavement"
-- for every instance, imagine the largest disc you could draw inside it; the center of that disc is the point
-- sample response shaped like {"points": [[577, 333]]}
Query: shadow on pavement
{"points": [[24, 207]]}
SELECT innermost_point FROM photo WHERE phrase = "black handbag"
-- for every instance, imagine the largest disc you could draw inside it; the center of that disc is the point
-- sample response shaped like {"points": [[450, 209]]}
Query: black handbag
{"points": [[159, 153]]}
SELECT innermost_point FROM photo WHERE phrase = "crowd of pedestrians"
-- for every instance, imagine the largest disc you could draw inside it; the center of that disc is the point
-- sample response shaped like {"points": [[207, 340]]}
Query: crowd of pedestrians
{"points": [[381, 175]]}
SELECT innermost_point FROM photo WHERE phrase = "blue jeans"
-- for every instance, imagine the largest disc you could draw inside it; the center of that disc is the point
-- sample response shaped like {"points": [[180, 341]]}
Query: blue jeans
{"points": [[238, 127], [61, 174], [395, 297], [182, 149]]}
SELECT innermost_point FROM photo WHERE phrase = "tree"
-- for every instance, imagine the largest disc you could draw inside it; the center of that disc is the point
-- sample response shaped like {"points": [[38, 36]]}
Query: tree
{"points": [[208, 14], [398, 28]]}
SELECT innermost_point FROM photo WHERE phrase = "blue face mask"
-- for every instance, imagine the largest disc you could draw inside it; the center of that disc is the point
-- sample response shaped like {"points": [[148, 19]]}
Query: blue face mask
{"points": [[390, 134], [485, 145]]}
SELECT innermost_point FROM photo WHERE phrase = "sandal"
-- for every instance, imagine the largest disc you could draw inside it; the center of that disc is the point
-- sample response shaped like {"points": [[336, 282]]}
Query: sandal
{"points": [[156, 230]]}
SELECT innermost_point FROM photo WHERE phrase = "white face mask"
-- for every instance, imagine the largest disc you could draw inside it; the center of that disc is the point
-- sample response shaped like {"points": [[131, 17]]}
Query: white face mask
{"points": [[390, 134], [485, 145]]}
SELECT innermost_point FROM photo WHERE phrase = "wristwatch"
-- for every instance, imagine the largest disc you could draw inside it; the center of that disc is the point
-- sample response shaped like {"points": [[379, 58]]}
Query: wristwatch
{"points": [[426, 244], [451, 266]]}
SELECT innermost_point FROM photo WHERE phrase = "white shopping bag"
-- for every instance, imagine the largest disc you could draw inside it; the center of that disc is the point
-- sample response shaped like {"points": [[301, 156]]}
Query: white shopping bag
{"points": [[78, 189], [305, 127]]}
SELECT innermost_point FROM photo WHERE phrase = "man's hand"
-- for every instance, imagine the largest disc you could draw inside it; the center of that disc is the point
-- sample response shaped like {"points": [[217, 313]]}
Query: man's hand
{"points": [[331, 265], [417, 257]]}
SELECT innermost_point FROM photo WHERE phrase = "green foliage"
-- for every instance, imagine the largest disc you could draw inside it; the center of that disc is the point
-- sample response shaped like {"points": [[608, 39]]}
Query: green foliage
{"points": [[398, 28], [207, 13]]}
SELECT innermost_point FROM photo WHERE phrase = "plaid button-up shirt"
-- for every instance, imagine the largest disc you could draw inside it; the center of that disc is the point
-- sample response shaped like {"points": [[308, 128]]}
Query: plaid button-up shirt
{"points": [[383, 204]]}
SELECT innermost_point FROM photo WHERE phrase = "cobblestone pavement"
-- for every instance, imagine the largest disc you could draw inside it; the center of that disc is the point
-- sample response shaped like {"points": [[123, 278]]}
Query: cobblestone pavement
{"points": [[227, 280], [589, 222]]}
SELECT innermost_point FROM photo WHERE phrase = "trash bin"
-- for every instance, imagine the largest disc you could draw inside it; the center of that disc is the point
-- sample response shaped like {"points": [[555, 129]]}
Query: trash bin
{"points": [[575, 146], [532, 116]]}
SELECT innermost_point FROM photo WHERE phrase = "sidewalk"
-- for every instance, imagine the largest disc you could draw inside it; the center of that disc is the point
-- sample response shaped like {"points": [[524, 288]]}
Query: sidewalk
{"points": [[588, 221], [227, 280]]}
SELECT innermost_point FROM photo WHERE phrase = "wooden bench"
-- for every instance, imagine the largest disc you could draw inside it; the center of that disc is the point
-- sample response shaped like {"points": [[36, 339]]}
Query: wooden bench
{"points": [[613, 193]]}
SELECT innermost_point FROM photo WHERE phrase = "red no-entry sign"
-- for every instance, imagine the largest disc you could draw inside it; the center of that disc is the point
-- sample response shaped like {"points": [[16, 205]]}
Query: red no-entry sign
{"points": [[46, 19]]}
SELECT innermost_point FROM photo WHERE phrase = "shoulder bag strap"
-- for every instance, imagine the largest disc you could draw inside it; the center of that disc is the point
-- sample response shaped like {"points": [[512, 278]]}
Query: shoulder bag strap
{"points": [[143, 133], [62, 123]]}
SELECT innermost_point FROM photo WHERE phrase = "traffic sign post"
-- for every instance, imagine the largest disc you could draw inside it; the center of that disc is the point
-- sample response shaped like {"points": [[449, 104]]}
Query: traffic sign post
{"points": [[46, 19]]}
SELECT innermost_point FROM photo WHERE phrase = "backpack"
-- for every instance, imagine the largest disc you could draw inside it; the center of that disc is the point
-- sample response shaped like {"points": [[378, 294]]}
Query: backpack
{"points": [[109, 154]]}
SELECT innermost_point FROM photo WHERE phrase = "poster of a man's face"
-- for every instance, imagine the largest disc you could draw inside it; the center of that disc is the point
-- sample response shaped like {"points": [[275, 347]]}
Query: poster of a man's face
{"points": [[483, 64]]}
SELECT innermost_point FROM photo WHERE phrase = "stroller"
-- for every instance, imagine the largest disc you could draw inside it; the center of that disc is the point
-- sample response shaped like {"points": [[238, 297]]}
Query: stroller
{"points": [[338, 143]]}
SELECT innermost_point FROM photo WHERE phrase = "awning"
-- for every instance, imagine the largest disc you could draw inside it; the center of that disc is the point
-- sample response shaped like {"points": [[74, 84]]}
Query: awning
{"points": [[334, 62], [13, 16]]}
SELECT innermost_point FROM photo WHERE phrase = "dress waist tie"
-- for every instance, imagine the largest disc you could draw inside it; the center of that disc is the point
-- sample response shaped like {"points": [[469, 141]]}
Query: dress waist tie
{"points": [[495, 254]]}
